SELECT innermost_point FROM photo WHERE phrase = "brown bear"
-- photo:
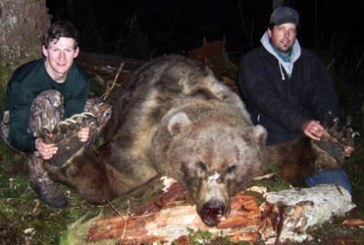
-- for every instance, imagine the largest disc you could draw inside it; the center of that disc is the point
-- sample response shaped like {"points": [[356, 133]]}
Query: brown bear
{"points": [[172, 118]]}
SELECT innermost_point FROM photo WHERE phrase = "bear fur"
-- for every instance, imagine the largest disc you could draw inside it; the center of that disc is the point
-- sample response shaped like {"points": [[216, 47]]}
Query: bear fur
{"points": [[172, 118], [302, 157]]}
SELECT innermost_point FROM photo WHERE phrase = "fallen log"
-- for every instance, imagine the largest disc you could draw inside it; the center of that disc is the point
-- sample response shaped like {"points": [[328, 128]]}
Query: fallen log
{"points": [[283, 216], [106, 66], [172, 218], [288, 214]]}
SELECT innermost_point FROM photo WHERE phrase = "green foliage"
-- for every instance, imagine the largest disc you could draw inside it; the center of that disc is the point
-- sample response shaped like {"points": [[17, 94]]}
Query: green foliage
{"points": [[77, 231], [276, 183], [23, 218], [200, 237], [327, 233], [207, 238]]}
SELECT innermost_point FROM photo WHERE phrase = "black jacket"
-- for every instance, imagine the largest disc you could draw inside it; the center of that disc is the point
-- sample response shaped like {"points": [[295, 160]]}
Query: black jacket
{"points": [[282, 106], [27, 82]]}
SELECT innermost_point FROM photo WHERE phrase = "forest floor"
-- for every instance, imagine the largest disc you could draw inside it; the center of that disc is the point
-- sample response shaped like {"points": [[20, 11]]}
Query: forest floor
{"points": [[24, 219]]}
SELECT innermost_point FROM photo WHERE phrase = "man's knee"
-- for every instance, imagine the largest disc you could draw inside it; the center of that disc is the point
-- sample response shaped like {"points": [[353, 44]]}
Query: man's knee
{"points": [[331, 176], [102, 113], [46, 111]]}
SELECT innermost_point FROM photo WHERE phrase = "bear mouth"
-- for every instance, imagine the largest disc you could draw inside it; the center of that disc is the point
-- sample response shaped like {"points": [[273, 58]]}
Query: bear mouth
{"points": [[212, 212]]}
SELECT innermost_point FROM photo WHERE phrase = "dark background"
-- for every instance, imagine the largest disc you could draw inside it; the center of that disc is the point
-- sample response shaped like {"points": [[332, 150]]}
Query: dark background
{"points": [[180, 25]]}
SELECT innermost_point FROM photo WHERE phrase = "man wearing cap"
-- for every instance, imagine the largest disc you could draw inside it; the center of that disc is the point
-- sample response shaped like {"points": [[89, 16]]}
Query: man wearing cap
{"points": [[288, 89]]}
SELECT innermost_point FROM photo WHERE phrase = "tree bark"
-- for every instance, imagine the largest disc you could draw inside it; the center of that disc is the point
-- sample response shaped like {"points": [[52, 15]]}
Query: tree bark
{"points": [[22, 24]]}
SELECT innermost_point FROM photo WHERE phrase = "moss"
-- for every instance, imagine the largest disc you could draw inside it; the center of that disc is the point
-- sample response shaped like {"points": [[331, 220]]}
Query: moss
{"points": [[5, 73]]}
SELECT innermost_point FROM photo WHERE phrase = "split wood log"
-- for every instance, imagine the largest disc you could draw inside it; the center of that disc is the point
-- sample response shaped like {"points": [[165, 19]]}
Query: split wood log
{"points": [[284, 216], [288, 214], [172, 217]]}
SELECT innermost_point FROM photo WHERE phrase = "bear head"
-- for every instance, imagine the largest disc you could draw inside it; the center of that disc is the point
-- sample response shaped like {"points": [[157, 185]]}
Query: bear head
{"points": [[213, 151]]}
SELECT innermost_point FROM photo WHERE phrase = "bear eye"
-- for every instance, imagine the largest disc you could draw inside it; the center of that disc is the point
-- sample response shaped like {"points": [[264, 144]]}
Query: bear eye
{"points": [[201, 168], [231, 169]]}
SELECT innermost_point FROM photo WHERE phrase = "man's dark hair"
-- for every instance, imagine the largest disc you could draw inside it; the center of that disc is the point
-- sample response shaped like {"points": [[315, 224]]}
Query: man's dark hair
{"points": [[271, 26], [60, 29]]}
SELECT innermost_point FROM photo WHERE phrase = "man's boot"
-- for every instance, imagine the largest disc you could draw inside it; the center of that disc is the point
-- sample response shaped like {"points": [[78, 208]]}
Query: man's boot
{"points": [[42, 185]]}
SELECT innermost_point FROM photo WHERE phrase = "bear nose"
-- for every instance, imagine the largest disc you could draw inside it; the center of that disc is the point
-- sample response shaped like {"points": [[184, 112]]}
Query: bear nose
{"points": [[212, 212]]}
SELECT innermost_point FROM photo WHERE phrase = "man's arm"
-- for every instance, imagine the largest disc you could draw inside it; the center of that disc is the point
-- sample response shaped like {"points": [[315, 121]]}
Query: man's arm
{"points": [[19, 119]]}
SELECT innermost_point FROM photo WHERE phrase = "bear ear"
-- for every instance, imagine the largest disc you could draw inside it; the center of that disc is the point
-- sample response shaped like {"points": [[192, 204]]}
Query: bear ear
{"points": [[256, 134], [178, 123]]}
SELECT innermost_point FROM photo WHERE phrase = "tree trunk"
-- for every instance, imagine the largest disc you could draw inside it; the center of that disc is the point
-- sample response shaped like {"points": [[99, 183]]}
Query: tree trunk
{"points": [[22, 24]]}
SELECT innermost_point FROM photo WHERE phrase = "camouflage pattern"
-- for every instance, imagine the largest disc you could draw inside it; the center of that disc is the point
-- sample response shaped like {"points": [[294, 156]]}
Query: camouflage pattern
{"points": [[42, 184], [45, 112], [45, 122], [4, 127], [102, 113]]}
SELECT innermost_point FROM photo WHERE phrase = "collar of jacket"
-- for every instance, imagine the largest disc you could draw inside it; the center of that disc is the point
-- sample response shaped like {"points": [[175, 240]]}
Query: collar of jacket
{"points": [[287, 66]]}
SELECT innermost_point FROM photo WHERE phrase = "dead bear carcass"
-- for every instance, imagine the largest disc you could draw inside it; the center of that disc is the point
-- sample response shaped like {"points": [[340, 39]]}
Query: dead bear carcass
{"points": [[172, 118]]}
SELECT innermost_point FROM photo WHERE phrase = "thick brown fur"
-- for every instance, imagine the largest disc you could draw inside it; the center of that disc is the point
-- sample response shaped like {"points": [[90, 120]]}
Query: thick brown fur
{"points": [[302, 157], [295, 159], [173, 118]]}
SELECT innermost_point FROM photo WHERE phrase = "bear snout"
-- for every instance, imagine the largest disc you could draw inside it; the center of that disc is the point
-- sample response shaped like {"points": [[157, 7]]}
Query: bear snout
{"points": [[212, 212]]}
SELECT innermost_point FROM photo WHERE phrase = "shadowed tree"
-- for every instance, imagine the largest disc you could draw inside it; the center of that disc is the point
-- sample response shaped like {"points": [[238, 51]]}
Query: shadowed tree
{"points": [[22, 24]]}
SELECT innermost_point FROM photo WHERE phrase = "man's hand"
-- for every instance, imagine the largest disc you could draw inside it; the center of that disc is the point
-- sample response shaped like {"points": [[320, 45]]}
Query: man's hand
{"points": [[84, 134], [348, 151], [46, 151], [313, 129]]}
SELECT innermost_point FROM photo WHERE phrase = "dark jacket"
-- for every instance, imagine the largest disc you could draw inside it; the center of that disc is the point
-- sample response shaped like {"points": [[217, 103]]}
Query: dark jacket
{"points": [[26, 83], [282, 106]]}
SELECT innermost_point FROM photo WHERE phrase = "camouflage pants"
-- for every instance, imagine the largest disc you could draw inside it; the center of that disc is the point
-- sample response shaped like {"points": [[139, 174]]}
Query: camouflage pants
{"points": [[47, 110]]}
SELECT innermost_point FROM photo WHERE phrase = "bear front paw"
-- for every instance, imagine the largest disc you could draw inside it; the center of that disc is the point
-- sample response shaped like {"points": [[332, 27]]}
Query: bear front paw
{"points": [[334, 141], [64, 135]]}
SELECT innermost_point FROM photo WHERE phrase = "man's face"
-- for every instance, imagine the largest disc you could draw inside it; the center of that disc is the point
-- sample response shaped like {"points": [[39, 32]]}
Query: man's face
{"points": [[59, 57], [283, 36]]}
